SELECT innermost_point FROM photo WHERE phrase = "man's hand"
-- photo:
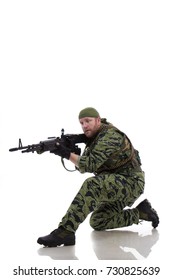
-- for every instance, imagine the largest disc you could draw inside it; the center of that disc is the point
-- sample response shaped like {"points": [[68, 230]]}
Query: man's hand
{"points": [[61, 151]]}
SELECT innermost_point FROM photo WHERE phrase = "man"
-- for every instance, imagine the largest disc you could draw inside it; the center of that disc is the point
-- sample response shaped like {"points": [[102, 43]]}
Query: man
{"points": [[117, 182]]}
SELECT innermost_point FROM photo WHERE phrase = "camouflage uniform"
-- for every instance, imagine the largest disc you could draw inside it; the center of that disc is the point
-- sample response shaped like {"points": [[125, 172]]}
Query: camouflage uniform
{"points": [[117, 182]]}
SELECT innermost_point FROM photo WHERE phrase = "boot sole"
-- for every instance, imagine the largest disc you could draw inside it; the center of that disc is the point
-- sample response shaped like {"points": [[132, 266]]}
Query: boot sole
{"points": [[55, 244]]}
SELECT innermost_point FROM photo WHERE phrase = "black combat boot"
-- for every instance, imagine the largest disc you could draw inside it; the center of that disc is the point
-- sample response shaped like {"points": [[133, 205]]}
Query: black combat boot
{"points": [[147, 213], [59, 236]]}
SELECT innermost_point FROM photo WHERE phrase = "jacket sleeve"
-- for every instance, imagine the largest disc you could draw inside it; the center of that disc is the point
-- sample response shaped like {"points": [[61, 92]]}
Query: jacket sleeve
{"points": [[108, 143]]}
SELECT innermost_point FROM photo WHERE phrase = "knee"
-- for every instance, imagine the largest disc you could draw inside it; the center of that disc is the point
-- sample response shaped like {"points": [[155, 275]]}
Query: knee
{"points": [[86, 186], [95, 223], [90, 181], [92, 222], [91, 187]]}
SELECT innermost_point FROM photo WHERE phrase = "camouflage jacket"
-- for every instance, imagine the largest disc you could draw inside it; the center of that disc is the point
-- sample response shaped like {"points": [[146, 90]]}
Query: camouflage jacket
{"points": [[109, 150]]}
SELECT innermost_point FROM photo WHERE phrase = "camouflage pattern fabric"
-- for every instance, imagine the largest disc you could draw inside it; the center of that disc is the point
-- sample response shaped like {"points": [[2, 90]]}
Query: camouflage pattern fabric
{"points": [[117, 183], [106, 196], [110, 149]]}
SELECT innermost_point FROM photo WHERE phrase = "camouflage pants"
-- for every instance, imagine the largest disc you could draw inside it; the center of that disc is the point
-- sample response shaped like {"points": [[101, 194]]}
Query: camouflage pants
{"points": [[106, 195]]}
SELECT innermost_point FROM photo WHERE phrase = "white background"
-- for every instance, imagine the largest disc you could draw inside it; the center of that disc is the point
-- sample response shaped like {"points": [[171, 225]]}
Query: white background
{"points": [[58, 57]]}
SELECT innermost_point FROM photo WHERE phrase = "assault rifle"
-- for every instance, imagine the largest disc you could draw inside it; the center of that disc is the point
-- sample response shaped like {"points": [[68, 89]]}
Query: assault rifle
{"points": [[67, 140]]}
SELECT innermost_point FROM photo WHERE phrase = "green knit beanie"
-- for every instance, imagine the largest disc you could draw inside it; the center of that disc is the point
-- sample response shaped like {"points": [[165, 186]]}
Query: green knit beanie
{"points": [[88, 112]]}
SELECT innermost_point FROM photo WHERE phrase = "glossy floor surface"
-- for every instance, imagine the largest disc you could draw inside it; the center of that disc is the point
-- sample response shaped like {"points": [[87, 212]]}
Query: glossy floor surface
{"points": [[135, 243]]}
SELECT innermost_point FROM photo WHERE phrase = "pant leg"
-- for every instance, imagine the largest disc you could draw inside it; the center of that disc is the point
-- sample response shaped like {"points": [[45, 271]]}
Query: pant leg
{"points": [[107, 188], [112, 215], [83, 204]]}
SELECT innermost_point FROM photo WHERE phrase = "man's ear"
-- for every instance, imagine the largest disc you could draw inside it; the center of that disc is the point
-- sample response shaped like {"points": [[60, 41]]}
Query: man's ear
{"points": [[99, 120]]}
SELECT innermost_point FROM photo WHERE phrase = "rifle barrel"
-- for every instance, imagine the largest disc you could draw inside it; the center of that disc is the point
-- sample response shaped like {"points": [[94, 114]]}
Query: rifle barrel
{"points": [[13, 149]]}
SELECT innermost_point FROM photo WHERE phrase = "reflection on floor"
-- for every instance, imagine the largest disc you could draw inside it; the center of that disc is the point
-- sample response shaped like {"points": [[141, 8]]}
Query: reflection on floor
{"points": [[124, 244]]}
